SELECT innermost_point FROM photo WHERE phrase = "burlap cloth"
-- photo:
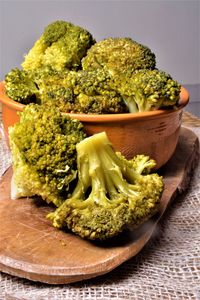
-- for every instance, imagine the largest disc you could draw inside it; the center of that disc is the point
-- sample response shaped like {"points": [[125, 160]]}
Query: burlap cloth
{"points": [[168, 267]]}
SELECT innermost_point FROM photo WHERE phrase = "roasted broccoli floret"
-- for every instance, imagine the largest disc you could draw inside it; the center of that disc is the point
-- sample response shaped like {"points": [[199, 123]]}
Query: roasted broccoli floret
{"points": [[111, 194], [43, 146], [148, 90], [62, 45], [20, 86], [119, 56]]}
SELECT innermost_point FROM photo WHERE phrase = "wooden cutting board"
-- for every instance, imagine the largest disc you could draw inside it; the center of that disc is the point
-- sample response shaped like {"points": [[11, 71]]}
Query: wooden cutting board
{"points": [[31, 248]]}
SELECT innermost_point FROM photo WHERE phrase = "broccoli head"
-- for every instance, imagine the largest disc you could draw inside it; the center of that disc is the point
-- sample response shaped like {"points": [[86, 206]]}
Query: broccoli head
{"points": [[57, 95], [94, 93], [148, 90], [119, 56], [90, 92], [61, 46], [54, 89], [20, 86], [43, 147], [111, 194], [99, 104]]}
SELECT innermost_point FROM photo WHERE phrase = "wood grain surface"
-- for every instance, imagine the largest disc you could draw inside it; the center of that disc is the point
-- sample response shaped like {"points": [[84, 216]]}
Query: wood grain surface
{"points": [[31, 248]]}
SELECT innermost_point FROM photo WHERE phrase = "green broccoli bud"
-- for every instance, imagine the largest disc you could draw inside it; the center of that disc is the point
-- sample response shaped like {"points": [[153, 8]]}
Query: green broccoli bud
{"points": [[43, 147], [148, 90], [54, 31], [61, 46], [20, 86], [99, 104], [111, 194], [58, 96], [89, 92], [92, 83], [141, 163], [119, 56], [54, 89], [94, 93]]}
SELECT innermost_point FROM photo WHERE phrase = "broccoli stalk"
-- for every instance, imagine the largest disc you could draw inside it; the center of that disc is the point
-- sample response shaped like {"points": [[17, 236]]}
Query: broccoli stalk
{"points": [[111, 193]]}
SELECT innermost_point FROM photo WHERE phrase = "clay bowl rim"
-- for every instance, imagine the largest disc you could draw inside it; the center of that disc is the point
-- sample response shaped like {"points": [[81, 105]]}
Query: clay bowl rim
{"points": [[184, 99]]}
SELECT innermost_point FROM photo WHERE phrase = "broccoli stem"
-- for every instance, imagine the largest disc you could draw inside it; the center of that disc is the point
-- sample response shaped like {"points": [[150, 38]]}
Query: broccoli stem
{"points": [[136, 101], [131, 104], [112, 197], [106, 170]]}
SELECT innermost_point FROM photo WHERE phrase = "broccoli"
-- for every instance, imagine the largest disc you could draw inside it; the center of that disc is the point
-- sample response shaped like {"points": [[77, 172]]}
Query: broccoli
{"points": [[148, 90], [67, 69], [81, 91], [20, 86], [94, 93], [61, 46], [119, 56], [141, 163], [54, 89], [57, 95], [39, 86], [111, 194], [43, 147], [99, 104]]}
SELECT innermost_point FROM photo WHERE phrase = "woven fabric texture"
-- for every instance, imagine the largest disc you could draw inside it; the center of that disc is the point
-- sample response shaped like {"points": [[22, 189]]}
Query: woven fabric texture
{"points": [[168, 267]]}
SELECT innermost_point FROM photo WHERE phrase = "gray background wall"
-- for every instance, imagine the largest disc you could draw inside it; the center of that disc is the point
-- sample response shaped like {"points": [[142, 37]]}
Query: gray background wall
{"points": [[170, 28]]}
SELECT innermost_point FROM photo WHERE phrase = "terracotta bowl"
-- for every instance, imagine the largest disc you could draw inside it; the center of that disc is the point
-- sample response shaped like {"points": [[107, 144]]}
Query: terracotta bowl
{"points": [[153, 133]]}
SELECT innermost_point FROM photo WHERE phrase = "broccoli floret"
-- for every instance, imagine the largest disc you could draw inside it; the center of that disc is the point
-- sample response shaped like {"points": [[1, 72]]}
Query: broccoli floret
{"points": [[111, 194], [48, 74], [141, 163], [91, 83], [39, 86], [20, 86], [94, 93], [119, 56], [90, 92], [54, 89], [43, 146], [58, 96], [99, 104], [62, 45], [148, 90]]}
